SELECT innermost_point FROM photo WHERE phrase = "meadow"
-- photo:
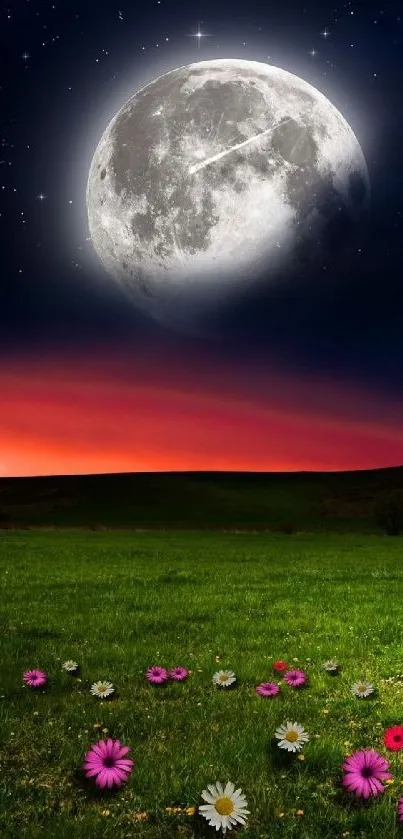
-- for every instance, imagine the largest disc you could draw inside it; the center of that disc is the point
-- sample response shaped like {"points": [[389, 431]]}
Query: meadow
{"points": [[118, 602]]}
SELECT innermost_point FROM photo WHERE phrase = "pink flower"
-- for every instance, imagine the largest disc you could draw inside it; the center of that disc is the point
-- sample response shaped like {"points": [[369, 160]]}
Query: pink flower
{"points": [[393, 738], [104, 763], [400, 809], [179, 674], [267, 689], [363, 773], [35, 678], [295, 678], [157, 675]]}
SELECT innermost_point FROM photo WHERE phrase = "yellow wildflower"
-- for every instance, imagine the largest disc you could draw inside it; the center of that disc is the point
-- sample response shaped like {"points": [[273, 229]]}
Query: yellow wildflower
{"points": [[140, 817]]}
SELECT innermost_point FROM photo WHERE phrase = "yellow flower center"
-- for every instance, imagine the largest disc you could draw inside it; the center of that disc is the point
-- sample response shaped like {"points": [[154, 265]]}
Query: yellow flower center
{"points": [[292, 736], [362, 688], [224, 806], [223, 677]]}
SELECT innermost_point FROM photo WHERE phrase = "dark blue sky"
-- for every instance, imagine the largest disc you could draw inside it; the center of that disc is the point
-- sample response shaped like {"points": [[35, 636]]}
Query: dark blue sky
{"points": [[67, 67]]}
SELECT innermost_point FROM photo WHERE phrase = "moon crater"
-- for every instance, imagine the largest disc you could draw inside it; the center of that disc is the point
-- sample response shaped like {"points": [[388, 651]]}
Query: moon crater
{"points": [[220, 175]]}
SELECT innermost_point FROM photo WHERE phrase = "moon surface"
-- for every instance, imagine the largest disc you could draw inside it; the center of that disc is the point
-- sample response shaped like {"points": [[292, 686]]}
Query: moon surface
{"points": [[218, 176]]}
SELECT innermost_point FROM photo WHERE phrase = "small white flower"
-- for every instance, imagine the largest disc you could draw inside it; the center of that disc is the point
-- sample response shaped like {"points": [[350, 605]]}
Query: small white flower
{"points": [[362, 689], [70, 666], [291, 736], [225, 808], [224, 678], [331, 666], [102, 689]]}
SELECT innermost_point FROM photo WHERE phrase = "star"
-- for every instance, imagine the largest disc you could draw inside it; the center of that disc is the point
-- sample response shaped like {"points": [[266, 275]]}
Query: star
{"points": [[41, 196], [313, 53], [25, 56], [198, 34], [325, 33]]}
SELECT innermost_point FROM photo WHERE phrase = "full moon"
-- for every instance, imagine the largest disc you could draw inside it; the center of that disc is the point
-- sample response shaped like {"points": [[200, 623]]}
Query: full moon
{"points": [[220, 176]]}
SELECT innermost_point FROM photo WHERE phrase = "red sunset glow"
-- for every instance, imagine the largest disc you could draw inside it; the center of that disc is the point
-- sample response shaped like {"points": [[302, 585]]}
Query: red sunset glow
{"points": [[114, 415]]}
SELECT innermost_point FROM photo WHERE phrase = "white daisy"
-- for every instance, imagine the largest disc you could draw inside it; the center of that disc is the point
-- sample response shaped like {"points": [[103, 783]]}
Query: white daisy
{"points": [[224, 678], [70, 666], [291, 736], [225, 808], [102, 689], [331, 666], [362, 689]]}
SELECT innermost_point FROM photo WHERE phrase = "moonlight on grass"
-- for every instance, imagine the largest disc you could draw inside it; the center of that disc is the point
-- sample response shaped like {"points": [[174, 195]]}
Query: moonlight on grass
{"points": [[219, 177]]}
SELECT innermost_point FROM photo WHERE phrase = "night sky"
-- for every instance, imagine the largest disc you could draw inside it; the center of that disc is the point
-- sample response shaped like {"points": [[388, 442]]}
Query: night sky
{"points": [[311, 377]]}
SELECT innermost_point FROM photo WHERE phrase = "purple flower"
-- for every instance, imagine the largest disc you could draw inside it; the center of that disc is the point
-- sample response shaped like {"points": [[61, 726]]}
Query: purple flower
{"points": [[295, 678], [105, 762], [35, 678], [267, 689], [157, 675], [363, 773], [179, 674]]}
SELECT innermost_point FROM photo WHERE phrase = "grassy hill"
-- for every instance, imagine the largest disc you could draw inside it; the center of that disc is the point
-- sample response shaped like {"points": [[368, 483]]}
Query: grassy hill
{"points": [[194, 500]]}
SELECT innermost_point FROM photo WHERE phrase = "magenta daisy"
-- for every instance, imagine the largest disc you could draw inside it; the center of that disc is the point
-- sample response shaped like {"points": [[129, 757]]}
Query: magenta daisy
{"points": [[179, 674], [400, 809], [295, 678], [364, 772], [105, 762], [35, 678], [157, 675], [267, 689]]}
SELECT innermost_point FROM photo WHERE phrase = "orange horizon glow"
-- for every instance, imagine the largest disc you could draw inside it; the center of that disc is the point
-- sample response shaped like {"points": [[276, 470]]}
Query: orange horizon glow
{"points": [[125, 414]]}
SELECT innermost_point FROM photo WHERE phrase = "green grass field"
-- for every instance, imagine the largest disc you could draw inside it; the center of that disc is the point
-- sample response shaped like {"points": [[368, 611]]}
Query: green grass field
{"points": [[119, 602]]}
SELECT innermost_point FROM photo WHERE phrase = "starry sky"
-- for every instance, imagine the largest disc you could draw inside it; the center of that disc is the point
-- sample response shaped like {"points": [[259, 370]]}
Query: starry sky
{"points": [[312, 378]]}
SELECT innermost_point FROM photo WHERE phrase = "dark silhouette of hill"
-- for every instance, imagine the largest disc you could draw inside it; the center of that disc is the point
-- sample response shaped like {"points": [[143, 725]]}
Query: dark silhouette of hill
{"points": [[285, 501]]}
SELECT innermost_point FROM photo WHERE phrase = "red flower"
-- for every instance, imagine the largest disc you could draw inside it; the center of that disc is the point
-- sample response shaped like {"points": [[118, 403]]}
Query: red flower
{"points": [[280, 666], [393, 738]]}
